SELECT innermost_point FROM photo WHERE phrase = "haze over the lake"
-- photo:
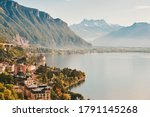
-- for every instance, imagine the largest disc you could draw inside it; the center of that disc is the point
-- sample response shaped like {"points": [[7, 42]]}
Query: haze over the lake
{"points": [[124, 12]]}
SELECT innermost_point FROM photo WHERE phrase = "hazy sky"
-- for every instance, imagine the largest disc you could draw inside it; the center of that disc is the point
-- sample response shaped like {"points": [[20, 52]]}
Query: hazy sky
{"points": [[124, 12]]}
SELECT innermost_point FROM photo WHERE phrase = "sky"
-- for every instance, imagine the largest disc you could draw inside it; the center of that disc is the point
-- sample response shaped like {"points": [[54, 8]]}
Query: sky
{"points": [[123, 12]]}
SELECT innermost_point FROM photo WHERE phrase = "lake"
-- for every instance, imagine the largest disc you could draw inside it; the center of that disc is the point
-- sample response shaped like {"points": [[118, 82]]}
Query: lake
{"points": [[111, 76]]}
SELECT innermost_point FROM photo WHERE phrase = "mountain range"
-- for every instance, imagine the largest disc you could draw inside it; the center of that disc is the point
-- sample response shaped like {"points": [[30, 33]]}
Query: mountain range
{"points": [[137, 30], [138, 34], [29, 26], [92, 29], [100, 33], [19, 24]]}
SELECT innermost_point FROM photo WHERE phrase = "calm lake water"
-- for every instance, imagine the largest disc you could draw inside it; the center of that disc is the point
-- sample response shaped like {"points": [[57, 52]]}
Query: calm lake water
{"points": [[109, 75]]}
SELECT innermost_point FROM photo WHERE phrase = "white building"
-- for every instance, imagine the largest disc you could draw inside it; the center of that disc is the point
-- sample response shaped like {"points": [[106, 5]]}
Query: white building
{"points": [[2, 67]]}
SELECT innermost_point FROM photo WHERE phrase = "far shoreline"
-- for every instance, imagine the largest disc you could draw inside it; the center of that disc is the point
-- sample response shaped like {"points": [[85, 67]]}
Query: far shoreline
{"points": [[89, 50]]}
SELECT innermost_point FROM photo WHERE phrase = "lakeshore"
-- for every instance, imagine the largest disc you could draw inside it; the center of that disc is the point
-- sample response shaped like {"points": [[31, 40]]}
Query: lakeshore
{"points": [[89, 50], [22, 82], [28, 77]]}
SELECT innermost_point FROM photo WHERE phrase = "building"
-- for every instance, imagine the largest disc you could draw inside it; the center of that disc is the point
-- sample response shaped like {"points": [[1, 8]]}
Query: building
{"points": [[10, 68], [30, 82], [6, 46], [28, 89], [20, 77], [2, 67], [41, 93], [31, 68], [33, 91], [38, 92], [20, 68]]}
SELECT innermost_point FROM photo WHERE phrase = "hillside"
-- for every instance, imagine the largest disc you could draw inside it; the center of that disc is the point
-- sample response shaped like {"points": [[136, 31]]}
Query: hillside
{"points": [[19, 24]]}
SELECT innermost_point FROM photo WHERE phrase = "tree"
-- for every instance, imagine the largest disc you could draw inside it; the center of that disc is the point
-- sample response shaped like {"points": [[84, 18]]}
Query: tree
{"points": [[9, 86], [2, 88], [49, 75], [14, 95], [66, 96], [6, 78], [54, 95], [43, 77], [40, 70], [42, 73], [7, 94], [2, 96], [20, 95]]}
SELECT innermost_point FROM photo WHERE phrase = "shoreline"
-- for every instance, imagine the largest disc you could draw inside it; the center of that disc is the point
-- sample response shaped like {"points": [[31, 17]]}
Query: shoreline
{"points": [[90, 50]]}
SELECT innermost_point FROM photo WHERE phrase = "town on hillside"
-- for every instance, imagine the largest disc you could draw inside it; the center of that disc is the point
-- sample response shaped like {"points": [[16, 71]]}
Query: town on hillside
{"points": [[24, 76]]}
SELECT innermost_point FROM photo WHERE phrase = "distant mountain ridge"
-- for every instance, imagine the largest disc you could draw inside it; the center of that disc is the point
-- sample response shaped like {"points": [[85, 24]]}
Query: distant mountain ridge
{"points": [[92, 29], [137, 34], [35, 27], [137, 30]]}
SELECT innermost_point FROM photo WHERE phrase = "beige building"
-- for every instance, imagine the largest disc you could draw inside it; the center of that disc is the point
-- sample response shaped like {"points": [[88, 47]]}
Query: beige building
{"points": [[37, 92], [31, 68], [30, 82], [41, 94]]}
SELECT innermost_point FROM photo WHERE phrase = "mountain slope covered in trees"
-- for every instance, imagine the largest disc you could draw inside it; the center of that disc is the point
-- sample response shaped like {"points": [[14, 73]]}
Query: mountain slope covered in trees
{"points": [[28, 25]]}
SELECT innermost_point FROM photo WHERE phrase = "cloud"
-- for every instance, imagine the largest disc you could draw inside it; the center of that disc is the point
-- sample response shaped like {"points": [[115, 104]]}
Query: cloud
{"points": [[142, 7]]}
